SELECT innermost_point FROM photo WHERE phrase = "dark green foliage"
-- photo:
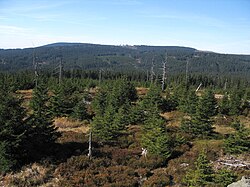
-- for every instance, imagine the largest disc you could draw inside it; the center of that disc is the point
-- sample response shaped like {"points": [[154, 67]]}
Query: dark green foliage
{"points": [[104, 127], [246, 103], [95, 57], [197, 127], [123, 116], [63, 100], [112, 123], [39, 101], [112, 109], [202, 175], [57, 107], [188, 102], [170, 103], [152, 99], [100, 103], [80, 111], [42, 133], [224, 105], [238, 142], [122, 92], [5, 161], [224, 177], [12, 131], [207, 105], [235, 103], [154, 136], [136, 114], [200, 124]]}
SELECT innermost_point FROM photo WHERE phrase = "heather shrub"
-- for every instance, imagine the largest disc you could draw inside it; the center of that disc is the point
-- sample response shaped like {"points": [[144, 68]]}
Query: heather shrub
{"points": [[159, 178], [73, 164], [149, 162]]}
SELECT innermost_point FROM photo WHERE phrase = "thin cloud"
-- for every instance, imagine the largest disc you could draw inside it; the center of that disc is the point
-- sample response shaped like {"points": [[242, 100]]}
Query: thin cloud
{"points": [[14, 30], [3, 18], [34, 6], [40, 17]]}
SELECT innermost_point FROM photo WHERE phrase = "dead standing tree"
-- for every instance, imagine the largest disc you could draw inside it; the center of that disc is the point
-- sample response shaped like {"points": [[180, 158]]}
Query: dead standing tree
{"points": [[152, 73], [164, 73], [90, 145], [100, 75], [35, 65], [59, 70], [187, 73]]}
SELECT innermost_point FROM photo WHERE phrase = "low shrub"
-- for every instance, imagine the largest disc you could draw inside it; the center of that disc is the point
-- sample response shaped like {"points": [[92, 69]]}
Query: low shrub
{"points": [[159, 178]]}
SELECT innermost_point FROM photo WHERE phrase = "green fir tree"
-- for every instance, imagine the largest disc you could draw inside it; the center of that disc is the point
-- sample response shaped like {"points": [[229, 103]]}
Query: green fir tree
{"points": [[224, 177], [188, 102], [42, 132], [239, 141], [202, 175], [12, 131], [207, 105], [224, 105], [80, 111], [104, 126], [154, 136], [152, 99], [235, 103]]}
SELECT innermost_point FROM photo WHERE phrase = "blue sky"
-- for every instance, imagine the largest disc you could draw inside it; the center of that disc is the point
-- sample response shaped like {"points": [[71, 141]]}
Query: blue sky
{"points": [[214, 25]]}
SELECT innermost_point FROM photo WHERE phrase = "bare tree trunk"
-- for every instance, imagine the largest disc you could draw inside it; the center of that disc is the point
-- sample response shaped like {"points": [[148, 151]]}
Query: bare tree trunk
{"points": [[198, 87], [187, 73], [60, 71], [90, 145], [164, 74], [152, 73], [35, 64]]}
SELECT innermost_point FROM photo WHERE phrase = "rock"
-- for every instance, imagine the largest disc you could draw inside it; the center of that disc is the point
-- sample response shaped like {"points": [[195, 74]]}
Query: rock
{"points": [[244, 182]]}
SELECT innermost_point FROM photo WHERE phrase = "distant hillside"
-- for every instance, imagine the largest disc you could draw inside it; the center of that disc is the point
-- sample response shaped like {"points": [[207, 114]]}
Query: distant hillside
{"points": [[61, 44], [124, 58]]}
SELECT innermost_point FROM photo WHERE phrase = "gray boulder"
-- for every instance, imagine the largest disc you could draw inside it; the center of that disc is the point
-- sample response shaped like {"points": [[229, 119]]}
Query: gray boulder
{"points": [[244, 182]]}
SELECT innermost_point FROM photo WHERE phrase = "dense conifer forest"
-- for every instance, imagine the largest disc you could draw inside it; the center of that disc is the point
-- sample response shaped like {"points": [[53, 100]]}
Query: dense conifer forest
{"points": [[77, 56], [192, 131]]}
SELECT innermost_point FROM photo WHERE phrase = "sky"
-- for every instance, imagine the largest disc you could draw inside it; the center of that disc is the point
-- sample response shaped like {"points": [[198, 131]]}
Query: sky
{"points": [[212, 25]]}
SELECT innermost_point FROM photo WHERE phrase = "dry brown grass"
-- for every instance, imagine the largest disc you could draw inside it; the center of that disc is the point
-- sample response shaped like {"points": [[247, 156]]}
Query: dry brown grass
{"points": [[141, 91], [31, 175], [245, 121], [174, 118], [67, 124], [224, 129], [26, 94], [218, 96]]}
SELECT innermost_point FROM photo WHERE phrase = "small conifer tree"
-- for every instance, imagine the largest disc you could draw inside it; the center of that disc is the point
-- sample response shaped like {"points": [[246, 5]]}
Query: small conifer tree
{"points": [[238, 142], [202, 175], [42, 132], [12, 131], [154, 136], [80, 111]]}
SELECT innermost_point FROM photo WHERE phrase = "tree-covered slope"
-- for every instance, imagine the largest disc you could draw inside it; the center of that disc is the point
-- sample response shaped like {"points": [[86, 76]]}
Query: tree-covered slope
{"points": [[124, 58]]}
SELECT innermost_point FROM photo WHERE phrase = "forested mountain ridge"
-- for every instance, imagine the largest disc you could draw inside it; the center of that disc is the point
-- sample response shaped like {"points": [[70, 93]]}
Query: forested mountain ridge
{"points": [[124, 58]]}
